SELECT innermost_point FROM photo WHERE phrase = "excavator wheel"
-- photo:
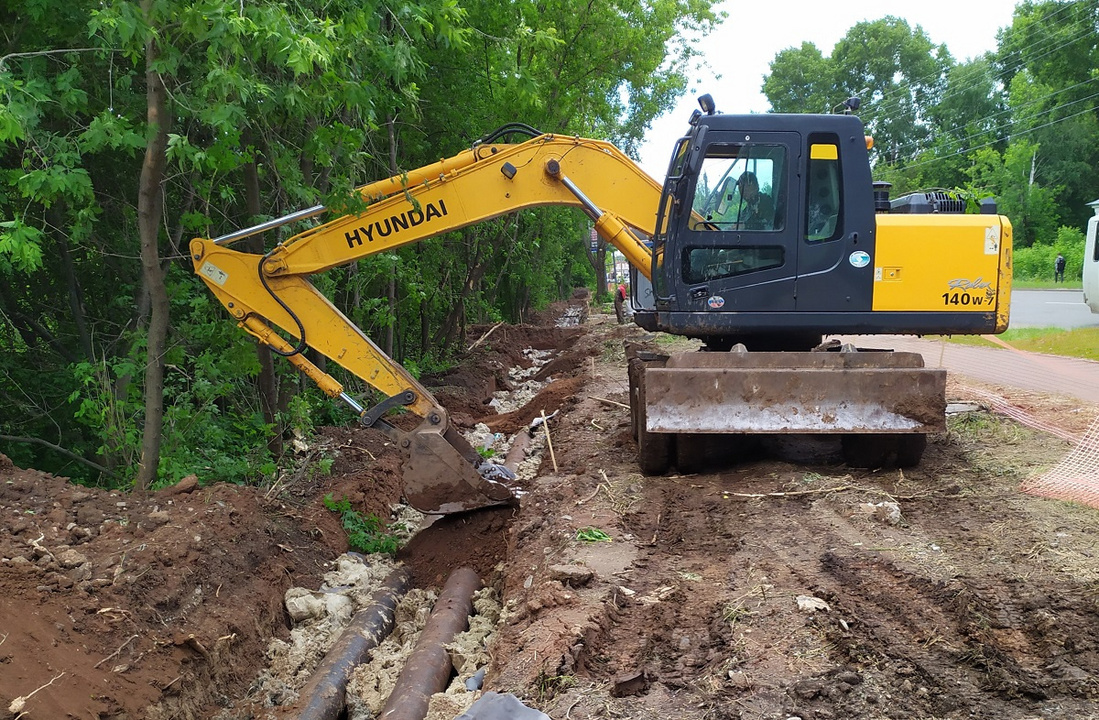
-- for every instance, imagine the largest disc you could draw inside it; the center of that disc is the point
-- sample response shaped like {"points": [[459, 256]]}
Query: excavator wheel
{"points": [[869, 451], [633, 372], [690, 452], [881, 450], [910, 449], [654, 450]]}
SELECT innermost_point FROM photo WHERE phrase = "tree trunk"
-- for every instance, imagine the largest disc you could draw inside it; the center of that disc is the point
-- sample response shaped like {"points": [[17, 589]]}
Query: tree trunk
{"points": [[267, 381], [391, 294], [150, 210], [454, 325], [598, 260], [72, 282], [425, 314], [510, 246]]}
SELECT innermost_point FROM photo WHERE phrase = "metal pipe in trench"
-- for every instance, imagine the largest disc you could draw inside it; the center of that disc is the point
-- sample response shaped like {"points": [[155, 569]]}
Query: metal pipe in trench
{"points": [[428, 669], [322, 697], [518, 451]]}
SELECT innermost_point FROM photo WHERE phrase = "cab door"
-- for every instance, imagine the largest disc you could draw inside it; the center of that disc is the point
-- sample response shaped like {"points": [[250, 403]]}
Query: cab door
{"points": [[738, 244], [835, 260]]}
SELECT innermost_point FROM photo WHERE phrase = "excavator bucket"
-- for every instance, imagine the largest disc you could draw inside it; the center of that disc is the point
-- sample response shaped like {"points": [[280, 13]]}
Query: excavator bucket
{"points": [[810, 392], [443, 474]]}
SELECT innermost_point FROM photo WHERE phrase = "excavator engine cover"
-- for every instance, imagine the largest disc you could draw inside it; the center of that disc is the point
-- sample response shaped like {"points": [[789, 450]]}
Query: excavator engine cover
{"points": [[807, 392]]}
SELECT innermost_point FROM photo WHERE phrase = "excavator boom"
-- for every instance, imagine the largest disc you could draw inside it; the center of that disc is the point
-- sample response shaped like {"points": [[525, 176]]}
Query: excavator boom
{"points": [[272, 292]]}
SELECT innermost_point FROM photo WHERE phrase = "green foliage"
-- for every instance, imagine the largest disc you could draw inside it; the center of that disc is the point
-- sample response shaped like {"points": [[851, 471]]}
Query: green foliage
{"points": [[21, 244], [1017, 124], [274, 107], [365, 533], [592, 535], [1036, 262]]}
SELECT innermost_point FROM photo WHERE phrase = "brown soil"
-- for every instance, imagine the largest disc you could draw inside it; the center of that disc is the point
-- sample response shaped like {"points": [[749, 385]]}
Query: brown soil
{"points": [[774, 589]]}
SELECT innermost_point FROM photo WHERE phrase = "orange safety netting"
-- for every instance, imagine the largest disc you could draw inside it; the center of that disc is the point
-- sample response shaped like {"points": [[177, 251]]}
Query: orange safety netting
{"points": [[1076, 477]]}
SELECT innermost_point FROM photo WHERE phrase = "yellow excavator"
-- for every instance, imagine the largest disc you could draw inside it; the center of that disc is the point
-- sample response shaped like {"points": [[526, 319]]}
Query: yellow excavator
{"points": [[767, 234]]}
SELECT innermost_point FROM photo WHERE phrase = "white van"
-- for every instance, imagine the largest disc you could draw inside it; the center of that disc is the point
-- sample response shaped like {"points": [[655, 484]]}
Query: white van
{"points": [[1091, 261]]}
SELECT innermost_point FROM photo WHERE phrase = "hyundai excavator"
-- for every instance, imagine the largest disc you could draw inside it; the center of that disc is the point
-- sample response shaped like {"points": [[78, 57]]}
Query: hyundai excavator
{"points": [[766, 235]]}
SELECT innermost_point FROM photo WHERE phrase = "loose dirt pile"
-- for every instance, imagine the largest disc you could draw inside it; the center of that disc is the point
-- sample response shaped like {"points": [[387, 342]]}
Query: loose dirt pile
{"points": [[774, 589]]}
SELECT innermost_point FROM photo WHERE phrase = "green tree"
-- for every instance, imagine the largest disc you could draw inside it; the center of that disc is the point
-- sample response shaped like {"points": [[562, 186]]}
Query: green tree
{"points": [[899, 74], [258, 103], [240, 113], [801, 80], [1013, 178], [1047, 59]]}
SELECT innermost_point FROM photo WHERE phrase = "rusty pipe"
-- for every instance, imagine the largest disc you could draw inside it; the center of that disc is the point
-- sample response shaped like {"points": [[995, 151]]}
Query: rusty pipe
{"points": [[428, 669], [518, 451], [322, 697]]}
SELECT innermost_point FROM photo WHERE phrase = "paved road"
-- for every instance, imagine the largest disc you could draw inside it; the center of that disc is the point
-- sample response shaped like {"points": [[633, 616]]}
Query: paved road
{"points": [[1050, 308], [1000, 366]]}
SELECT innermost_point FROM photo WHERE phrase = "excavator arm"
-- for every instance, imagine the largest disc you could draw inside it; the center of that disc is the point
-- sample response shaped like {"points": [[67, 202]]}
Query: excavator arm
{"points": [[264, 292]]}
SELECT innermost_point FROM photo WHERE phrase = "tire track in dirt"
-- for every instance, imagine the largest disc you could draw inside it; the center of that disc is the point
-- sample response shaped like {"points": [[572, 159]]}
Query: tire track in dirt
{"points": [[969, 604]]}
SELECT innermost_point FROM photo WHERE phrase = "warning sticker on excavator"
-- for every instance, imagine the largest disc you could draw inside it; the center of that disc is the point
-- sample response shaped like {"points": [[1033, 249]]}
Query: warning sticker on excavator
{"points": [[992, 240], [212, 272]]}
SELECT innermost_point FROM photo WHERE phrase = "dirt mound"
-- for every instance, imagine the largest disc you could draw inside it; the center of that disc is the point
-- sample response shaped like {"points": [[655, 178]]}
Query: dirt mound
{"points": [[143, 599], [770, 589], [162, 604]]}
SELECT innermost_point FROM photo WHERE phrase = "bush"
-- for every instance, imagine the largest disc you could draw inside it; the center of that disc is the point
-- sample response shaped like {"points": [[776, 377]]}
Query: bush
{"points": [[1036, 262], [365, 533]]}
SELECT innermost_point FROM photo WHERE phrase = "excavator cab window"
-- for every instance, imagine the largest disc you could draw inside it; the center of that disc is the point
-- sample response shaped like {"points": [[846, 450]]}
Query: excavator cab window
{"points": [[703, 264], [737, 187], [824, 190]]}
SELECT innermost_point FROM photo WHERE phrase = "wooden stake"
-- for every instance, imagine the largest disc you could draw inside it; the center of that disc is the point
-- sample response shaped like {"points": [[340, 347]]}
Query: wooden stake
{"points": [[612, 403], [549, 443], [485, 336]]}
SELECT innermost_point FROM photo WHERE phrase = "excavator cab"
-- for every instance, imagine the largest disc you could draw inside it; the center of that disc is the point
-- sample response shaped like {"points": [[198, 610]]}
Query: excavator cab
{"points": [[769, 237], [769, 234], [765, 210]]}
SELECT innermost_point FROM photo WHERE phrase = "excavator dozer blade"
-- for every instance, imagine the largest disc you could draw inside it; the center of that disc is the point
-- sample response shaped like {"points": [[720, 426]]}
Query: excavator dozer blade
{"points": [[441, 473], [810, 392]]}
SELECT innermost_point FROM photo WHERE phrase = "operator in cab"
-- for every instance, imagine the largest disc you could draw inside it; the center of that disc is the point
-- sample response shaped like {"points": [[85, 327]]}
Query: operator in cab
{"points": [[757, 211]]}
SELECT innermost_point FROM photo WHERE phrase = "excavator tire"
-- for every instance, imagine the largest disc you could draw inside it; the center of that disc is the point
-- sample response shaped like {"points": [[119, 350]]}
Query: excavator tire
{"points": [[633, 371], [882, 450], [691, 452], [867, 451], [910, 449], [654, 450]]}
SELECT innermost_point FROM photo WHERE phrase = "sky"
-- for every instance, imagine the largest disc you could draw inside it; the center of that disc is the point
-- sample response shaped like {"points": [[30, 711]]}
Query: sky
{"points": [[743, 47]]}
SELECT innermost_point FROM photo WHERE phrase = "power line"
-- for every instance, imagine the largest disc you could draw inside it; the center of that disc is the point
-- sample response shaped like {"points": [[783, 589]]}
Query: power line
{"points": [[1040, 46], [1000, 139], [1010, 111], [890, 109], [1039, 49]]}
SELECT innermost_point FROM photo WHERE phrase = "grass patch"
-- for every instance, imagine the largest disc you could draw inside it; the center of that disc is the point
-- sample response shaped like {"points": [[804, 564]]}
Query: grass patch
{"points": [[1077, 342], [1031, 284], [592, 535], [365, 533]]}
